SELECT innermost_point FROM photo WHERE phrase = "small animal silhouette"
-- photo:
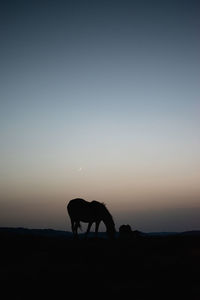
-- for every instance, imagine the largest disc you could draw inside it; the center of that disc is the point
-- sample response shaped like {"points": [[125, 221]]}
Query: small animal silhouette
{"points": [[125, 231], [80, 210]]}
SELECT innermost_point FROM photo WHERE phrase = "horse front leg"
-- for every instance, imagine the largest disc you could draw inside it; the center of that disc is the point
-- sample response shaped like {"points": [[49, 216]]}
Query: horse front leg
{"points": [[97, 228]]}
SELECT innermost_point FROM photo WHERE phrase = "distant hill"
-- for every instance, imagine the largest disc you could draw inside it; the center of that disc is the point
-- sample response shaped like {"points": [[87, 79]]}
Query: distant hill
{"points": [[35, 232], [66, 234], [184, 233], [191, 233], [170, 233]]}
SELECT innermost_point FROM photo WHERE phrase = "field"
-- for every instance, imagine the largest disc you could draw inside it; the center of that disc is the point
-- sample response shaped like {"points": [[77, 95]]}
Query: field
{"points": [[43, 265]]}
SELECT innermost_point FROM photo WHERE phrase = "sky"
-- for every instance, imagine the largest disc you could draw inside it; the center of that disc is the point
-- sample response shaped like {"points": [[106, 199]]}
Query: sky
{"points": [[100, 100]]}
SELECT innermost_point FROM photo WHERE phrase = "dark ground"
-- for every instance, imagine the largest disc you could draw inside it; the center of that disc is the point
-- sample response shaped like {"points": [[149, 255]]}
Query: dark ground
{"points": [[40, 266]]}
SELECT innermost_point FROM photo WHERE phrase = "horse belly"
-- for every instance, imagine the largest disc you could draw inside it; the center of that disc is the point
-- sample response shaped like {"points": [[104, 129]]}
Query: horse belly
{"points": [[86, 218]]}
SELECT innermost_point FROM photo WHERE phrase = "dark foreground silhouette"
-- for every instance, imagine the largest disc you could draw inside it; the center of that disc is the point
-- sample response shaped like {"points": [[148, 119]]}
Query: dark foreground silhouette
{"points": [[41, 264], [80, 210]]}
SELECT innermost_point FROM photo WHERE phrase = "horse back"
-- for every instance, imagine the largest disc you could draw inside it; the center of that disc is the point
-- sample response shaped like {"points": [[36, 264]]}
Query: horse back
{"points": [[82, 210]]}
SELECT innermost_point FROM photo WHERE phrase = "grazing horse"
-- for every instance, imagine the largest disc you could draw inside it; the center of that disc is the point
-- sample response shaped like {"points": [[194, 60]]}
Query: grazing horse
{"points": [[81, 210]]}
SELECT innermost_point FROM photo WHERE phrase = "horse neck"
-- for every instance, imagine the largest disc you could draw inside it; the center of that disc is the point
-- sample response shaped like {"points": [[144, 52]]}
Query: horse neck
{"points": [[108, 221]]}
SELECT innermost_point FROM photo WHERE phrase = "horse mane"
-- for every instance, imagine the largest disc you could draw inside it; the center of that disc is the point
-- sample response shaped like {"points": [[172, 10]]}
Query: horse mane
{"points": [[107, 211], [103, 205]]}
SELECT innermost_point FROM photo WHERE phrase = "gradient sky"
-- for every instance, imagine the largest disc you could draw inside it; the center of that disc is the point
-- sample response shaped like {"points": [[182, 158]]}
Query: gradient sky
{"points": [[100, 100]]}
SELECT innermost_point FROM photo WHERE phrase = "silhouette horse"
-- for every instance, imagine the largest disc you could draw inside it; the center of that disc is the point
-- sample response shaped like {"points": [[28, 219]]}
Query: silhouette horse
{"points": [[81, 210]]}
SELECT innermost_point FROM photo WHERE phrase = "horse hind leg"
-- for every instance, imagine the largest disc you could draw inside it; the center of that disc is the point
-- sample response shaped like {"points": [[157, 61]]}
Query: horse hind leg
{"points": [[76, 226], [72, 225]]}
